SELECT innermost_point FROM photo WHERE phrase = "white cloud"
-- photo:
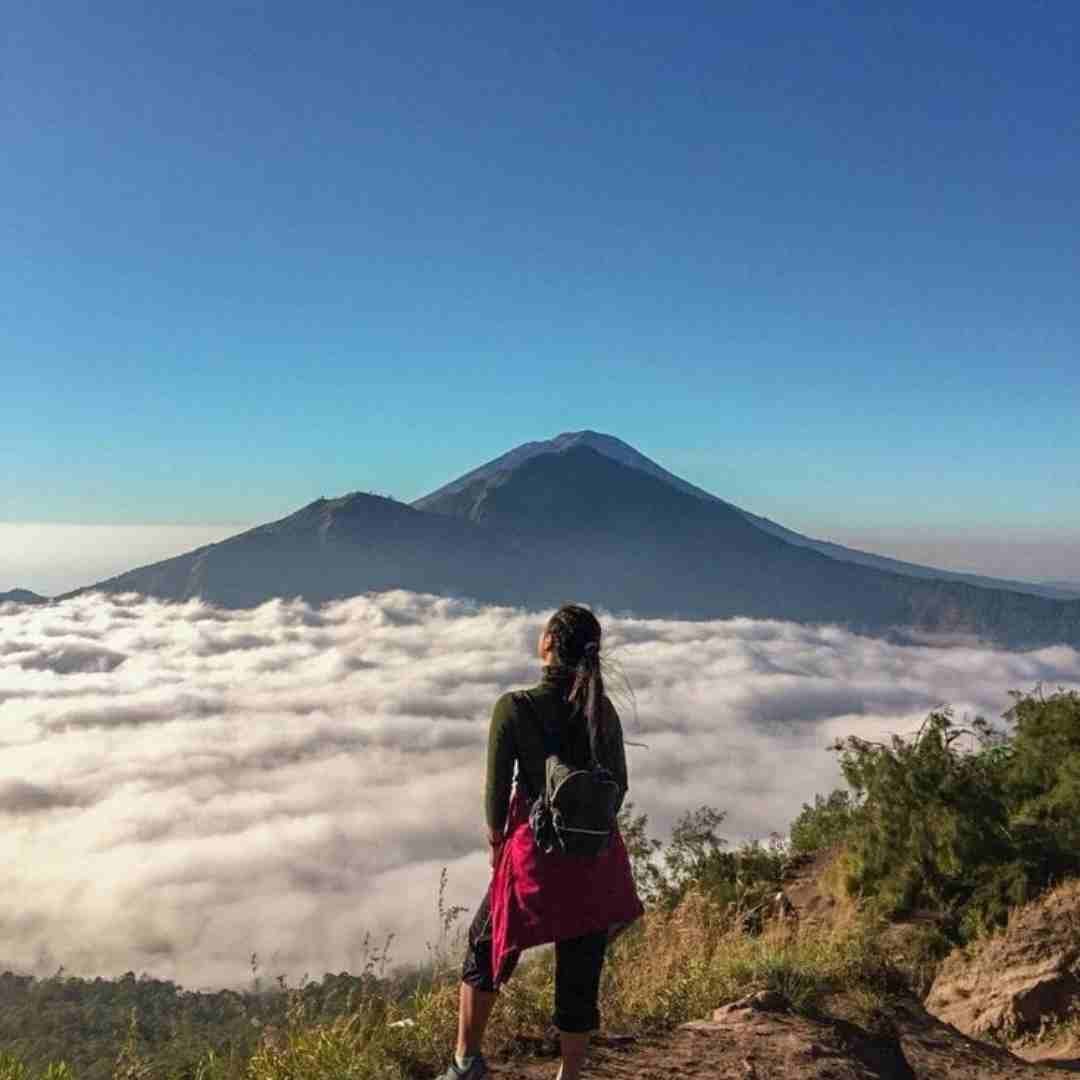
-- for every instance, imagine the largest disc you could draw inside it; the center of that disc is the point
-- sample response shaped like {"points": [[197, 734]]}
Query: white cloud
{"points": [[182, 786]]}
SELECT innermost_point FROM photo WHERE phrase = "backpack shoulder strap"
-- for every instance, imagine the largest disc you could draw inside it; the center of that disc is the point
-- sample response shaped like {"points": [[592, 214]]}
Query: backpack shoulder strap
{"points": [[551, 735]]}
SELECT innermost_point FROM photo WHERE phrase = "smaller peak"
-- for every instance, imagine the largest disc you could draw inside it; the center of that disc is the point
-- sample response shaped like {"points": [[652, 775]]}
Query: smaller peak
{"points": [[354, 498], [23, 596]]}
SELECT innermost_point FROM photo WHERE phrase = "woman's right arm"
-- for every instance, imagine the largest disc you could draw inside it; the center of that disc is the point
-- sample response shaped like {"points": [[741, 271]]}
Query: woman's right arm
{"points": [[613, 725]]}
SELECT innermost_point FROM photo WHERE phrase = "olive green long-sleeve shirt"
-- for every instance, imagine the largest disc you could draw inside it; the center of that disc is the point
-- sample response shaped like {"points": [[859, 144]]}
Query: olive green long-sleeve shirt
{"points": [[516, 737]]}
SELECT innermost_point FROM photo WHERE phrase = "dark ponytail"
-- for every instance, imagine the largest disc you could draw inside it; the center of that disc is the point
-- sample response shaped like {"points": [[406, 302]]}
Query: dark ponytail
{"points": [[575, 641]]}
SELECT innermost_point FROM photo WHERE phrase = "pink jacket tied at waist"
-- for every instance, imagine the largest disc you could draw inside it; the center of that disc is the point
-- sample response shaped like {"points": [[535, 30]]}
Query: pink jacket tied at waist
{"points": [[537, 898]]}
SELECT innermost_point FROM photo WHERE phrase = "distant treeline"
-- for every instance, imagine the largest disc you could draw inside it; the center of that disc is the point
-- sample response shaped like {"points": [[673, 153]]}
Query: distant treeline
{"points": [[90, 1022]]}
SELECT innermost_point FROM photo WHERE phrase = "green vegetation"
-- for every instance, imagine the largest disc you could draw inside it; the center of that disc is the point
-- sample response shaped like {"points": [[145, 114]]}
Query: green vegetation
{"points": [[957, 824], [695, 860], [960, 822], [825, 824], [133, 1027]]}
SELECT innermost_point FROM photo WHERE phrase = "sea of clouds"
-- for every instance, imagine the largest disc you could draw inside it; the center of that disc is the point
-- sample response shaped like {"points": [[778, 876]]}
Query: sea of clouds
{"points": [[182, 787]]}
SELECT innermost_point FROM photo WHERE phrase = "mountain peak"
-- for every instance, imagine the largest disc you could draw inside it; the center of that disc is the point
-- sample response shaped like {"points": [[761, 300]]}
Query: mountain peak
{"points": [[448, 498]]}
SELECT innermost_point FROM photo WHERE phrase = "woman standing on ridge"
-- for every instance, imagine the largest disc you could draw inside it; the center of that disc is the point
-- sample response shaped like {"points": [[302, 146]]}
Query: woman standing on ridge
{"points": [[538, 896]]}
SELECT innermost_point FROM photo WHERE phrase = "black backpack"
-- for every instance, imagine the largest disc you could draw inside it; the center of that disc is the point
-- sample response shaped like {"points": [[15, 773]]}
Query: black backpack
{"points": [[577, 812]]}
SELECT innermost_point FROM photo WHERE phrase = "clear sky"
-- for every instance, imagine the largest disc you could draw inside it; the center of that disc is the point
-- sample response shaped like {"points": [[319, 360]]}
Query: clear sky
{"points": [[821, 259]]}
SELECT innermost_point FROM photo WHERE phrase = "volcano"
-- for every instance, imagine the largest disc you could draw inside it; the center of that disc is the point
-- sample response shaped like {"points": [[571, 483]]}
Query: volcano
{"points": [[586, 517]]}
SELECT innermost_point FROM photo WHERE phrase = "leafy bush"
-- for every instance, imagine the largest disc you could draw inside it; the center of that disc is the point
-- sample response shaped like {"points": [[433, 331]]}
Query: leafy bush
{"points": [[1043, 773], [963, 822], [695, 860], [825, 824]]}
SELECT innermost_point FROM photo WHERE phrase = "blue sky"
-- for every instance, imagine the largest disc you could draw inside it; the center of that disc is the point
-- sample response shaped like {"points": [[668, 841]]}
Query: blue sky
{"points": [[821, 259]]}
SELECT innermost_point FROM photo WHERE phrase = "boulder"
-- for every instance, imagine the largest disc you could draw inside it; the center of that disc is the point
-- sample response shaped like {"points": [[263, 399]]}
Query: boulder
{"points": [[1018, 983]]}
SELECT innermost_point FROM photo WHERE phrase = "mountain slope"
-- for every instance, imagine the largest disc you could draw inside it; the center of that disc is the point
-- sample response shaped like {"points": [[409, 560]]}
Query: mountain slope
{"points": [[576, 524], [633, 542], [453, 498]]}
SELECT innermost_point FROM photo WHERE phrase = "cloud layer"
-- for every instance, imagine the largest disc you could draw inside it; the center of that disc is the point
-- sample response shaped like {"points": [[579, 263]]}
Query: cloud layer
{"points": [[182, 786]]}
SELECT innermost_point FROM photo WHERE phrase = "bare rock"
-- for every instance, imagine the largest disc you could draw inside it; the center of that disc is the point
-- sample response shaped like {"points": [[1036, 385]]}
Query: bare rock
{"points": [[745, 1042], [762, 1001], [1019, 982]]}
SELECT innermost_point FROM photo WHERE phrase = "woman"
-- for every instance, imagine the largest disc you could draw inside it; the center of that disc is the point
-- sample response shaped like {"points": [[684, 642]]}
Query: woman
{"points": [[578, 902]]}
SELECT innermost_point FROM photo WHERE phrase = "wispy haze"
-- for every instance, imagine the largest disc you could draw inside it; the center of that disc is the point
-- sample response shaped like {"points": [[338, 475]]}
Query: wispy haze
{"points": [[1019, 554], [51, 558], [820, 260], [181, 786]]}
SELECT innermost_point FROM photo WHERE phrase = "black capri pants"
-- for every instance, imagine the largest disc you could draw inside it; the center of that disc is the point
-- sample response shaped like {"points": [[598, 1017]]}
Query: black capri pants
{"points": [[578, 963]]}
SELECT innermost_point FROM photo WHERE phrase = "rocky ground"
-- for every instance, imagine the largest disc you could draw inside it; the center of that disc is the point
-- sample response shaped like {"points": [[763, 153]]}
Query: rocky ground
{"points": [[1021, 987], [764, 1041]]}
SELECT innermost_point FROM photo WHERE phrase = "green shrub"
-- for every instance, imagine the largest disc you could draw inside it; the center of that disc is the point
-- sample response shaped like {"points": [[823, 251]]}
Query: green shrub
{"points": [[695, 859], [1043, 776], [825, 824], [963, 822]]}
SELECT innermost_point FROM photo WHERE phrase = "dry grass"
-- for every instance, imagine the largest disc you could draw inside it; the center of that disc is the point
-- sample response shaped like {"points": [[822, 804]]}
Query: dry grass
{"points": [[668, 968], [682, 966], [11, 1069], [833, 883]]}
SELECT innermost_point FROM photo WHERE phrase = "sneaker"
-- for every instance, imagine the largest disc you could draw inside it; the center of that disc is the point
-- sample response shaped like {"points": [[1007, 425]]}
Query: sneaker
{"points": [[477, 1068]]}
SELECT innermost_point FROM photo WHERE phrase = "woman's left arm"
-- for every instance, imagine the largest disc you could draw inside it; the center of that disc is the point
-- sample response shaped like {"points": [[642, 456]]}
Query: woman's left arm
{"points": [[501, 753]]}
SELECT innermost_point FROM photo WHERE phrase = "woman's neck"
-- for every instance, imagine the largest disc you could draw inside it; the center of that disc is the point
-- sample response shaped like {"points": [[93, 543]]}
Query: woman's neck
{"points": [[557, 674]]}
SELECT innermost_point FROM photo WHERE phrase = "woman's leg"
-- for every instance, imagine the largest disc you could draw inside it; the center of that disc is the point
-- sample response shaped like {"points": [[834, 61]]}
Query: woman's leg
{"points": [[477, 994], [578, 963], [474, 1008], [574, 1047]]}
